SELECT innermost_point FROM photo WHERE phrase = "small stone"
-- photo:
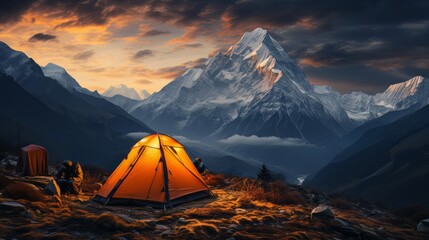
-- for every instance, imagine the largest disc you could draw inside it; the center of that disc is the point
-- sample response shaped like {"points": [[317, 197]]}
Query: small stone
{"points": [[181, 220], [161, 227], [342, 222], [38, 212], [230, 231], [322, 211], [12, 207], [423, 226], [233, 225], [166, 233]]}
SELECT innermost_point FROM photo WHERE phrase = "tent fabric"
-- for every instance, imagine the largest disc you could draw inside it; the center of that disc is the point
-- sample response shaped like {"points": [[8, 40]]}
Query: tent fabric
{"points": [[157, 171], [52, 188], [33, 161]]}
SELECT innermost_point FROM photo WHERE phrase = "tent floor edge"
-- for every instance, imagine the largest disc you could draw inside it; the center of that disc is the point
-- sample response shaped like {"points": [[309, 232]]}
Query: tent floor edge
{"points": [[143, 203]]}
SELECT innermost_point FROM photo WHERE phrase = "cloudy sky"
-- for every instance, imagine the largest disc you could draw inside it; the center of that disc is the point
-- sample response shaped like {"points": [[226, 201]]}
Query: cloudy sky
{"points": [[351, 45]]}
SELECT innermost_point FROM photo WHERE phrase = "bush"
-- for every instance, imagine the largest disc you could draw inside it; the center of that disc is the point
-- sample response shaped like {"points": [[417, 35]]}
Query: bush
{"points": [[23, 191], [215, 180], [280, 193], [92, 177]]}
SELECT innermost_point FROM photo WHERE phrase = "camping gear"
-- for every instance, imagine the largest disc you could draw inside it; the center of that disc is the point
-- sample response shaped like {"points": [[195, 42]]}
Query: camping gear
{"points": [[156, 172], [33, 161], [52, 188]]}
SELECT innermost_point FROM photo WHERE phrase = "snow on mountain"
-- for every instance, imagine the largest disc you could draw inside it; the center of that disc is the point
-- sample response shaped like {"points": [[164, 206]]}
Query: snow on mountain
{"points": [[60, 74], [361, 107], [255, 88], [123, 90], [405, 94]]}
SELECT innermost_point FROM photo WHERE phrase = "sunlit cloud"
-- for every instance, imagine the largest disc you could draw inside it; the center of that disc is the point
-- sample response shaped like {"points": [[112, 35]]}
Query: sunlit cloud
{"points": [[84, 55]]}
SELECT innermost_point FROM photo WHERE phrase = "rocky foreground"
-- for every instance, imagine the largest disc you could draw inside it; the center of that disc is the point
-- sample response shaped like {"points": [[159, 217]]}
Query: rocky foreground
{"points": [[239, 209]]}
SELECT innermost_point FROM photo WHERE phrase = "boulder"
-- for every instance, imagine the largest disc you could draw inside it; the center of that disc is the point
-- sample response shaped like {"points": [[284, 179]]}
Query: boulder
{"points": [[322, 211], [423, 226]]}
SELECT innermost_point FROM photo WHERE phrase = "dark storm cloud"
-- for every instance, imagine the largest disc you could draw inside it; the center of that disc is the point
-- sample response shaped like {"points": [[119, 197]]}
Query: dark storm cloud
{"points": [[155, 32], [142, 54], [85, 55], [11, 11], [386, 37], [42, 37]]}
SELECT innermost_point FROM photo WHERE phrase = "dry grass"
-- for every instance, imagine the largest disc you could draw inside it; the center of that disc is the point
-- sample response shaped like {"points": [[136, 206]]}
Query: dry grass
{"points": [[274, 192], [23, 191], [92, 178], [214, 180]]}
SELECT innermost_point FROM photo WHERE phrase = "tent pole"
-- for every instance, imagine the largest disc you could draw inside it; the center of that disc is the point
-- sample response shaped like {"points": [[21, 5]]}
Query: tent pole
{"points": [[164, 166]]}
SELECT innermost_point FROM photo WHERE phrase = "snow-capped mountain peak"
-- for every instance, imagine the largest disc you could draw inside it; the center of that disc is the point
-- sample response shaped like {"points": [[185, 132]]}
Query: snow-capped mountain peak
{"points": [[254, 88], [408, 91], [123, 90], [58, 73]]}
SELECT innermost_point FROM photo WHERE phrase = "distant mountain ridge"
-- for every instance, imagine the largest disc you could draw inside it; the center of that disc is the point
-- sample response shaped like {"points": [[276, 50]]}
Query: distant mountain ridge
{"points": [[87, 111], [388, 163], [361, 107]]}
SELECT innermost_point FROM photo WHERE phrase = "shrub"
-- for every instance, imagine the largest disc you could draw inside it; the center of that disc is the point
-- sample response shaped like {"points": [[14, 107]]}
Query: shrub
{"points": [[23, 191], [280, 193], [215, 180], [92, 178]]}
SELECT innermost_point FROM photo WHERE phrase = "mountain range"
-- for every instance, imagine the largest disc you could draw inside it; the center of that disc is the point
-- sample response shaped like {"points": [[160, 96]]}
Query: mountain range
{"points": [[100, 124], [255, 88]]}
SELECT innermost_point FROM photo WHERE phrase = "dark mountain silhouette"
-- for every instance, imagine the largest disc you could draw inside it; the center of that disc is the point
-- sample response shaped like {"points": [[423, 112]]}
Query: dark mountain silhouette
{"points": [[388, 163]]}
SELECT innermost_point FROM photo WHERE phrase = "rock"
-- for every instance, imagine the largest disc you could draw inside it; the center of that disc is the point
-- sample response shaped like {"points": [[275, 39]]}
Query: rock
{"points": [[181, 220], [423, 226], [342, 222], [38, 212], [240, 210], [12, 207], [166, 233], [322, 211], [126, 218], [233, 225], [161, 227]]}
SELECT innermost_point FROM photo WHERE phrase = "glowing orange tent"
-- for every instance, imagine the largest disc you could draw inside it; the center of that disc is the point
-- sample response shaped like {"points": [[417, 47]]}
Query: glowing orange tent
{"points": [[33, 161], [156, 172]]}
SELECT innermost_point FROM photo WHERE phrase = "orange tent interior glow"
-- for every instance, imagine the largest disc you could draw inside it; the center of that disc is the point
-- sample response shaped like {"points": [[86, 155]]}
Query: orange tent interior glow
{"points": [[157, 172]]}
